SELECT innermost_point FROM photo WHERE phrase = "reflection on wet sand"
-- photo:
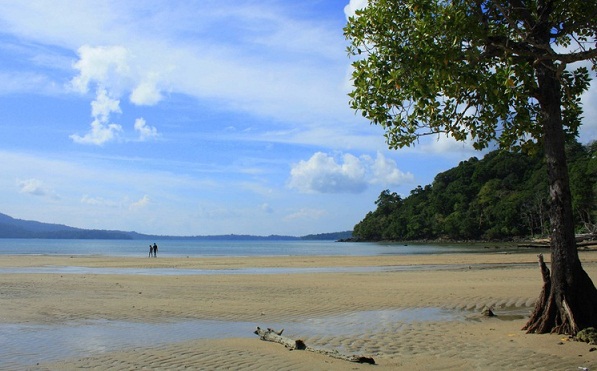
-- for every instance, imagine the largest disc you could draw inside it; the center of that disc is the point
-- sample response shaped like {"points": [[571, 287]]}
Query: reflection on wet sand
{"points": [[24, 345]]}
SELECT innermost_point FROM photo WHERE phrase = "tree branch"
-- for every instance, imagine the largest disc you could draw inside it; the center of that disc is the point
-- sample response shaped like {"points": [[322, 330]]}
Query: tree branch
{"points": [[575, 57]]}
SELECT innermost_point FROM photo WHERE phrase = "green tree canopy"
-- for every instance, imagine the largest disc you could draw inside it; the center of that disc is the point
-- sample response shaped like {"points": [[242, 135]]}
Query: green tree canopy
{"points": [[468, 68], [502, 196]]}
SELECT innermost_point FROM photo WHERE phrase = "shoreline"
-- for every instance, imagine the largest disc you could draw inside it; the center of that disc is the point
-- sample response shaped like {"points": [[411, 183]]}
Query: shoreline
{"points": [[368, 303], [491, 256]]}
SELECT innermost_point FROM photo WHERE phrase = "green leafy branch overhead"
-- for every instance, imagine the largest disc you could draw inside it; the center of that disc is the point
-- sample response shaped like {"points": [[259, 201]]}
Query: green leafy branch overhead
{"points": [[467, 68]]}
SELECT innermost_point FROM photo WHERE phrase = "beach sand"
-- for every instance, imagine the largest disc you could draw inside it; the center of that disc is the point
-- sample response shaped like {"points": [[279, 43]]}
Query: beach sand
{"points": [[440, 299]]}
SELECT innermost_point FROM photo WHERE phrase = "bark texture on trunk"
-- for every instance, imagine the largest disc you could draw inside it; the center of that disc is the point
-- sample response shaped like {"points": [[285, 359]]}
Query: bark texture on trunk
{"points": [[568, 302]]}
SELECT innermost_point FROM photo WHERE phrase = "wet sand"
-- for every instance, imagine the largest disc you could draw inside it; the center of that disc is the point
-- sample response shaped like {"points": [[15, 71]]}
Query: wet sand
{"points": [[404, 318]]}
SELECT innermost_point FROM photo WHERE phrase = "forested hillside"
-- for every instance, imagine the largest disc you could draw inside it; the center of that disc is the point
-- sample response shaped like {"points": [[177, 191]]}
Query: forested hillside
{"points": [[502, 196]]}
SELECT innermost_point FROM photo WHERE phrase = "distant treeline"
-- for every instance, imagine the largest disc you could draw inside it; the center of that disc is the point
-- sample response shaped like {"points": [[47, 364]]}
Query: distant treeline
{"points": [[502, 196], [328, 236]]}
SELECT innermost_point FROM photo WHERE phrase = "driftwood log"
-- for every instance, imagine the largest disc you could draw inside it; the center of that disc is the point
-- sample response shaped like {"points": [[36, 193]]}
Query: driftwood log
{"points": [[276, 337], [586, 241]]}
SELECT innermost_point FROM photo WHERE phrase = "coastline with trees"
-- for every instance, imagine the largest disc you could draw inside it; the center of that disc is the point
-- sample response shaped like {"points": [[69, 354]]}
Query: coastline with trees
{"points": [[501, 197]]}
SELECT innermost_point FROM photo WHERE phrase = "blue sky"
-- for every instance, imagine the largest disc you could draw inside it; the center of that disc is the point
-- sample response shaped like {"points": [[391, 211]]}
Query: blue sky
{"points": [[195, 118]]}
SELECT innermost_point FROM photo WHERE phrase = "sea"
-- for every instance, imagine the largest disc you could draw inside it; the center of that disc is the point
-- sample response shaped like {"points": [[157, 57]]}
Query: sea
{"points": [[232, 248]]}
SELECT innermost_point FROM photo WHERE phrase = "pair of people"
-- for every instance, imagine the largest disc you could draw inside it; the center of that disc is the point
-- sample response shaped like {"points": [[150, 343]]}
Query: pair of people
{"points": [[153, 249]]}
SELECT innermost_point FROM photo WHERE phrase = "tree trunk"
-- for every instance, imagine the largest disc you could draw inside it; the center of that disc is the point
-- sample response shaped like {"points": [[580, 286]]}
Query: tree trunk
{"points": [[568, 302]]}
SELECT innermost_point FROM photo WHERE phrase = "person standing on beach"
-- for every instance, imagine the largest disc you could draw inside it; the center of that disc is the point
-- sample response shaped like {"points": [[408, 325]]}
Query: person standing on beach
{"points": [[155, 250], [150, 250]]}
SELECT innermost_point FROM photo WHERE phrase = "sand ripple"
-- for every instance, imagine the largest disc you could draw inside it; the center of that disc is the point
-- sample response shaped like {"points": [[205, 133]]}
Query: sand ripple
{"points": [[317, 307]]}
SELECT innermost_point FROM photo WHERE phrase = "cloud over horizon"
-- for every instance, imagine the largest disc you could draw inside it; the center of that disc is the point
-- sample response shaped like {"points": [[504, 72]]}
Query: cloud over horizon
{"points": [[35, 187], [323, 173]]}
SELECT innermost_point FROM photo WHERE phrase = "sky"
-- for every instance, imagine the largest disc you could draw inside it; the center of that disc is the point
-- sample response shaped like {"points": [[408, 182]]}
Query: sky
{"points": [[196, 118]]}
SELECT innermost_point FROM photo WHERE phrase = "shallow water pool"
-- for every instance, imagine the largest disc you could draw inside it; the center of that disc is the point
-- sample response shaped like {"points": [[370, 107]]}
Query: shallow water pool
{"points": [[25, 345]]}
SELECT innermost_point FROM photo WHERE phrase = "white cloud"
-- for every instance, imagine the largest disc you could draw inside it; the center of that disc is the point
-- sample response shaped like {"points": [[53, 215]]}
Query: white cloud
{"points": [[102, 65], [305, 213], [98, 201], [385, 171], [146, 93], [103, 106], [35, 187], [262, 59], [354, 5], [141, 203], [222, 66], [18, 82], [363, 137], [103, 131], [145, 131], [445, 144], [108, 68], [99, 134], [125, 203], [31, 186], [323, 174]]}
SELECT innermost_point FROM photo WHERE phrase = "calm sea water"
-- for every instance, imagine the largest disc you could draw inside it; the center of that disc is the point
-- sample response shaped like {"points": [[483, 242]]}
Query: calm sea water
{"points": [[174, 248]]}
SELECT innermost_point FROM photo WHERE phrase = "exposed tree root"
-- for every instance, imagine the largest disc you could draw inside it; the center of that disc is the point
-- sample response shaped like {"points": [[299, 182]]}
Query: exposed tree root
{"points": [[534, 324], [560, 310]]}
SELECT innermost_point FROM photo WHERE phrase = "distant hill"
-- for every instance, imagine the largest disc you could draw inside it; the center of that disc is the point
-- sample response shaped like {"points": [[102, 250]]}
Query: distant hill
{"points": [[18, 228], [229, 237], [329, 236]]}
